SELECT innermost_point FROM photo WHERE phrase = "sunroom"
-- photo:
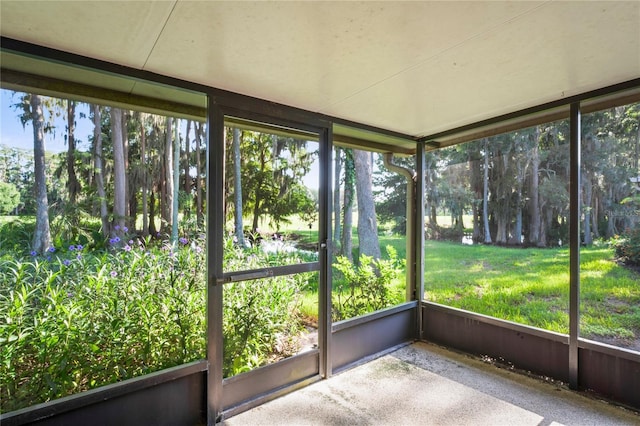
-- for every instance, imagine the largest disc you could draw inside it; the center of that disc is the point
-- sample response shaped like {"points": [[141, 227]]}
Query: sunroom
{"points": [[356, 176]]}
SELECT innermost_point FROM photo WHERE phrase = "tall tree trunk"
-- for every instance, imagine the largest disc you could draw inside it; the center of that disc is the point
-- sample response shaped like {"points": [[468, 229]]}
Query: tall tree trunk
{"points": [[586, 208], [237, 188], [367, 221], [167, 212], [521, 166], [73, 185], [162, 193], [517, 232], [119, 174], [534, 198], [258, 200], [337, 169], [611, 224], [349, 188], [485, 195], [199, 212], [152, 214], [42, 234], [143, 161], [99, 169], [595, 215], [476, 185], [176, 183], [186, 162], [130, 209]]}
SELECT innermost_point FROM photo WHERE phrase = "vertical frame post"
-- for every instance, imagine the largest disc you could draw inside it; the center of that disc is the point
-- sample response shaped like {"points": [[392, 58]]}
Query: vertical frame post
{"points": [[215, 235], [419, 234], [325, 251], [574, 242]]}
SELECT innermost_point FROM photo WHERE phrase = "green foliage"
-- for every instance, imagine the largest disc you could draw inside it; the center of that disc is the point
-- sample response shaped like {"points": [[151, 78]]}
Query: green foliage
{"points": [[14, 232], [258, 314], [366, 287], [272, 174], [73, 320], [627, 247], [9, 197], [77, 319]]}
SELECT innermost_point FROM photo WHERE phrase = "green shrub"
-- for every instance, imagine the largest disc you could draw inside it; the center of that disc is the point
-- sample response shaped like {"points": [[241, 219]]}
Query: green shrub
{"points": [[76, 319], [365, 287], [627, 247], [258, 314]]}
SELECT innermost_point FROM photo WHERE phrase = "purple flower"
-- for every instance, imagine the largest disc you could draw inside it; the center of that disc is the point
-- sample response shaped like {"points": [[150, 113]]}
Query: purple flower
{"points": [[79, 256], [69, 294], [72, 247], [114, 240], [127, 247], [125, 229], [33, 253], [51, 250], [66, 262], [117, 227], [114, 274], [183, 240], [79, 247], [130, 242]]}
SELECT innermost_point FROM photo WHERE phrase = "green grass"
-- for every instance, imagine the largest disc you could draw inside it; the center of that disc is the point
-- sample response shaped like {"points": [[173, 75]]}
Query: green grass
{"points": [[531, 286]]}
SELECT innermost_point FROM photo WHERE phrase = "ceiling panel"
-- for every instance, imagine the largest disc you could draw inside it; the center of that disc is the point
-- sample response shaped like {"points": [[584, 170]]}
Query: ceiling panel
{"points": [[535, 59], [412, 67], [123, 32], [313, 54]]}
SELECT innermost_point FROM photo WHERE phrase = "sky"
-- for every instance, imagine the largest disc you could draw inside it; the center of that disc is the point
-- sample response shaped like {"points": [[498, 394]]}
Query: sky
{"points": [[12, 134]]}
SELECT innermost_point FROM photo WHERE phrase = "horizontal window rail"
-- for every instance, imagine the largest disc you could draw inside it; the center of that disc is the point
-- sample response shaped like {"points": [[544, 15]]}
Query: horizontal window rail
{"points": [[276, 271]]}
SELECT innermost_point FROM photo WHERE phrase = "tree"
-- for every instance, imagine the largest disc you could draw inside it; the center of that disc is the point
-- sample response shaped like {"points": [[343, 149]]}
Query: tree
{"points": [[119, 174], [237, 188], [337, 169], [485, 194], [143, 162], [176, 183], [534, 185], [42, 234], [16, 168], [347, 205], [167, 211], [367, 220], [199, 129], [99, 169], [272, 172], [9, 197], [73, 184], [391, 197]]}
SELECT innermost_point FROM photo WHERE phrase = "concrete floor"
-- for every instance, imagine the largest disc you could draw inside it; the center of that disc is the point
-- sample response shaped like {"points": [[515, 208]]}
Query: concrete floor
{"points": [[423, 384]]}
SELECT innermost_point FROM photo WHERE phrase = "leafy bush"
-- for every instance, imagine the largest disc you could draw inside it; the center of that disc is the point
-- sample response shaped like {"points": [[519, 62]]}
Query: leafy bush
{"points": [[9, 197], [74, 320], [258, 314], [365, 287], [627, 247], [14, 232]]}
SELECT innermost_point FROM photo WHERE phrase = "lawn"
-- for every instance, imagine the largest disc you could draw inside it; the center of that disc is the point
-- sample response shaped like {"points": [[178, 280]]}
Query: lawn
{"points": [[531, 286]]}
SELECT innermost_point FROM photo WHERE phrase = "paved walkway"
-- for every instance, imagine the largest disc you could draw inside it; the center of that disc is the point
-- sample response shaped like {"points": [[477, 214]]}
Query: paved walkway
{"points": [[423, 384]]}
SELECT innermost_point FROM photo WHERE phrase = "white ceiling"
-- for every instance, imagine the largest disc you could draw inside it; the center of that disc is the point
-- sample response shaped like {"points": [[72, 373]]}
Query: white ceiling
{"points": [[413, 67]]}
